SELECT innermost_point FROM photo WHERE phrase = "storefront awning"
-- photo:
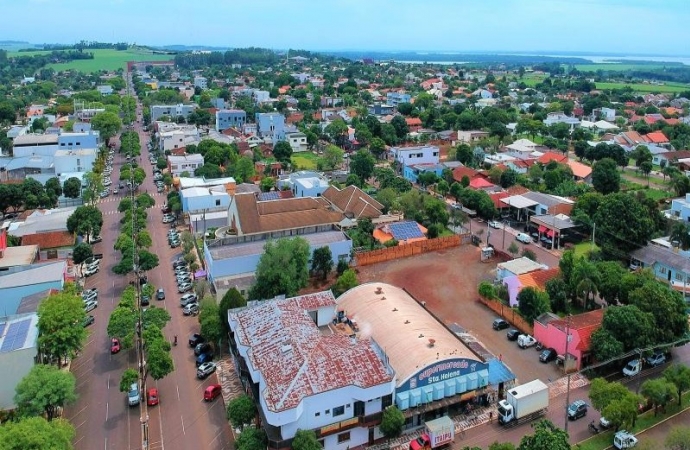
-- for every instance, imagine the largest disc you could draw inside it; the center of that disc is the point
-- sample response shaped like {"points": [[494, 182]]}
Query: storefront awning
{"points": [[542, 228]]}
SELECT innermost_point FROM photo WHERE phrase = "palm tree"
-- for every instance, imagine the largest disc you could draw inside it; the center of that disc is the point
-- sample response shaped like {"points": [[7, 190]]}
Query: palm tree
{"points": [[586, 280], [681, 233]]}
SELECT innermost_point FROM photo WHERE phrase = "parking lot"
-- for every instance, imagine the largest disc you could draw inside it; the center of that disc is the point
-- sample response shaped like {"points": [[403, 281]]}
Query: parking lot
{"points": [[447, 281]]}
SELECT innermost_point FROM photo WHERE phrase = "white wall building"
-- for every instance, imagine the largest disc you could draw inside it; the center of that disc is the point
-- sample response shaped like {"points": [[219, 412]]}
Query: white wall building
{"points": [[75, 160], [298, 141], [185, 163], [426, 154]]}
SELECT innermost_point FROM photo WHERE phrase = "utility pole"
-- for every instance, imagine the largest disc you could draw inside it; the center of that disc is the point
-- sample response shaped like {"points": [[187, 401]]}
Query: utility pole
{"points": [[565, 366], [594, 230]]}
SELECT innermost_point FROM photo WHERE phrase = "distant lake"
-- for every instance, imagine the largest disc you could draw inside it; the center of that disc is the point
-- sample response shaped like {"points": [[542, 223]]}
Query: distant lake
{"points": [[595, 59]]}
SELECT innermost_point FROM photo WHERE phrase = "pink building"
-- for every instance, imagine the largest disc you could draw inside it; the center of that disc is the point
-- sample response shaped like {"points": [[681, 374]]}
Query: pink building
{"points": [[550, 330]]}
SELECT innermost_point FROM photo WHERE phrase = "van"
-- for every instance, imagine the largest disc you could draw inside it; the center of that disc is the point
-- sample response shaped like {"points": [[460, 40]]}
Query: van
{"points": [[523, 237], [133, 395]]}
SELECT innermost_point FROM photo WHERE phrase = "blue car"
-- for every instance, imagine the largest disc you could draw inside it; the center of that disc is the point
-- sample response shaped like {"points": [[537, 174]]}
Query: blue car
{"points": [[203, 358]]}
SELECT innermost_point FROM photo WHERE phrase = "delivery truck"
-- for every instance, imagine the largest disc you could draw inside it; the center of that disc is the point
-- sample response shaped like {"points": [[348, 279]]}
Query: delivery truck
{"points": [[437, 433], [524, 403]]}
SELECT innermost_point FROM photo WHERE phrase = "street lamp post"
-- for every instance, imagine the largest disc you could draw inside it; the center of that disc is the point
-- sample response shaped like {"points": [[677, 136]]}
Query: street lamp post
{"points": [[565, 366]]}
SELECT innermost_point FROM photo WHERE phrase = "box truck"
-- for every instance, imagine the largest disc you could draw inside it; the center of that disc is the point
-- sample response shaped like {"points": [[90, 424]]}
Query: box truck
{"points": [[437, 433], [524, 403]]}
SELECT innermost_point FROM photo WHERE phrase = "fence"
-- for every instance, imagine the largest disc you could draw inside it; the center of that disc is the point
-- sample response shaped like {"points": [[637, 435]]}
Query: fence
{"points": [[509, 314], [403, 251]]}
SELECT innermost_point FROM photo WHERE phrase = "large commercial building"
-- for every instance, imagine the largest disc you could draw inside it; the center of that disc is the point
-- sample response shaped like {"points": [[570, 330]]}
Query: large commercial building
{"points": [[312, 362]]}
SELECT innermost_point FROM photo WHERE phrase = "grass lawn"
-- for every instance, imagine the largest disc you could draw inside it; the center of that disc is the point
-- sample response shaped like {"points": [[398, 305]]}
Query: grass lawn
{"points": [[532, 80], [104, 59], [583, 248], [644, 421], [640, 87], [304, 160]]}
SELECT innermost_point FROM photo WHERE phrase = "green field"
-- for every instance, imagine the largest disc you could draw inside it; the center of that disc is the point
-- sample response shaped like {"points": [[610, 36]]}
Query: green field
{"points": [[619, 67], [104, 59], [640, 87], [304, 161]]}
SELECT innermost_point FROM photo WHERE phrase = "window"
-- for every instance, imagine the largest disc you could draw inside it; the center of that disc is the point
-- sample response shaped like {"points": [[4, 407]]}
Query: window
{"points": [[663, 270], [343, 437], [359, 408], [317, 414], [338, 411], [679, 276], [386, 401], [328, 411], [218, 202]]}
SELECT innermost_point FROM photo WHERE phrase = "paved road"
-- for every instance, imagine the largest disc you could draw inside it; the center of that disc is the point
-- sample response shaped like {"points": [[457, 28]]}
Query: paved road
{"points": [[101, 415]]}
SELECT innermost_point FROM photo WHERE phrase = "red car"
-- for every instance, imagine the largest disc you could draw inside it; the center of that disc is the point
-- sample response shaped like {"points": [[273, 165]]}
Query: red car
{"points": [[212, 392], [152, 397], [114, 346]]}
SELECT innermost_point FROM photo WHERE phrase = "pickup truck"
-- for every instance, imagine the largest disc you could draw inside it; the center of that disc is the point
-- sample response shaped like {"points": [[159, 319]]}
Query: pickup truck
{"points": [[525, 340]]}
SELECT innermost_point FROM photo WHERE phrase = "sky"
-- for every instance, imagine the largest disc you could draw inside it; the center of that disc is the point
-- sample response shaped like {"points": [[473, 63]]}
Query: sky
{"points": [[653, 27]]}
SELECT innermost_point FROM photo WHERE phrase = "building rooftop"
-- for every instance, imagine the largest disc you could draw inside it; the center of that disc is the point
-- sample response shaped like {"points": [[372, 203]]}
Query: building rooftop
{"points": [[651, 254], [77, 152], [257, 247], [30, 162], [49, 239], [193, 157], [353, 201], [19, 333], [33, 273], [18, 256], [187, 182], [26, 140], [402, 327], [295, 359], [30, 303], [520, 265], [42, 220], [546, 199]]}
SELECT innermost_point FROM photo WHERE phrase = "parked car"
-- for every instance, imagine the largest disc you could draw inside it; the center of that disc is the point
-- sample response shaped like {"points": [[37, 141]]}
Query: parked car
{"points": [[525, 341], [495, 224], [184, 287], [211, 392], [88, 320], [114, 346], [203, 347], [90, 305], [96, 239], [160, 294], [175, 243], [205, 370], [577, 409], [524, 238], [183, 279], [179, 263], [90, 271], [187, 299], [196, 339], [632, 368], [133, 395], [656, 359], [548, 355], [152, 397], [145, 300], [88, 297], [191, 310], [500, 324], [513, 334], [204, 357]]}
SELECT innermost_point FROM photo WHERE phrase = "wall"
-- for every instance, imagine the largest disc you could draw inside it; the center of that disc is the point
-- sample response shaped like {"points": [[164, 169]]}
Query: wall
{"points": [[43, 150], [402, 251], [208, 202], [509, 314], [74, 163]]}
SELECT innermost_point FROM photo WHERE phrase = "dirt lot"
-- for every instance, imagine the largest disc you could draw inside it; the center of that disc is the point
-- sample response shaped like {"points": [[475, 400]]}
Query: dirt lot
{"points": [[447, 281]]}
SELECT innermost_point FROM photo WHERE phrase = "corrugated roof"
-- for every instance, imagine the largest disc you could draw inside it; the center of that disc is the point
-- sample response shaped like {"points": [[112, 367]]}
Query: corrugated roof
{"points": [[34, 274], [50, 239], [295, 359], [402, 328]]}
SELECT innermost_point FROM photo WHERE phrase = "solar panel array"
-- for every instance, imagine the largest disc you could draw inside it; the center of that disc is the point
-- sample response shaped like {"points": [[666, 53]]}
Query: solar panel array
{"points": [[272, 195], [405, 230], [16, 336]]}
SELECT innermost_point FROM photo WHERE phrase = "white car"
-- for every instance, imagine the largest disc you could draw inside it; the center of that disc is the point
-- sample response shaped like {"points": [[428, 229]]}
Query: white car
{"points": [[90, 271], [184, 287], [495, 224], [524, 238], [526, 340], [90, 305], [191, 310], [187, 299], [633, 368], [89, 297]]}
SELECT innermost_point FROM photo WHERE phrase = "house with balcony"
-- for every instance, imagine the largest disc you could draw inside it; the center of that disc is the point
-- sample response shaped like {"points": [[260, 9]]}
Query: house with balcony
{"points": [[177, 165], [396, 98], [297, 141], [270, 127], [230, 118]]}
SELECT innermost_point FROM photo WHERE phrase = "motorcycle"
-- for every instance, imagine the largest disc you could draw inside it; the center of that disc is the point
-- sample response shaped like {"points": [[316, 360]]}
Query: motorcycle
{"points": [[175, 341], [593, 428]]}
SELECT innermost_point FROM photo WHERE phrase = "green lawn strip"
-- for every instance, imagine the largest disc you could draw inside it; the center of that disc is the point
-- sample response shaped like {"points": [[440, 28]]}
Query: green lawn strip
{"points": [[641, 87], [606, 67], [644, 421], [584, 248], [109, 59], [304, 161]]}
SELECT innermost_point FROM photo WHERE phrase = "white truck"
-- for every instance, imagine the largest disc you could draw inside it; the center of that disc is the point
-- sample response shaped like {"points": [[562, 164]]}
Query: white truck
{"points": [[623, 440], [524, 403], [525, 341], [437, 433]]}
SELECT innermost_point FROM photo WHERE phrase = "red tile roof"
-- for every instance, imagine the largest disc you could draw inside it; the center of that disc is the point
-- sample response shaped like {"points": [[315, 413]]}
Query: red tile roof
{"points": [[656, 137], [672, 121], [481, 183], [50, 239], [462, 171], [296, 360], [540, 277], [552, 156], [413, 121], [496, 199], [583, 324]]}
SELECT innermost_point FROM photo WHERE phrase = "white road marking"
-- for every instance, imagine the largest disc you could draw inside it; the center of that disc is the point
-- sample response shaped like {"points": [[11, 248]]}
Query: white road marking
{"points": [[182, 420], [107, 410], [178, 392]]}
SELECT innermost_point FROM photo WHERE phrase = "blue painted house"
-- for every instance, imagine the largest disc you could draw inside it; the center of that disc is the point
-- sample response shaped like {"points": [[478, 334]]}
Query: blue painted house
{"points": [[22, 281], [666, 265]]}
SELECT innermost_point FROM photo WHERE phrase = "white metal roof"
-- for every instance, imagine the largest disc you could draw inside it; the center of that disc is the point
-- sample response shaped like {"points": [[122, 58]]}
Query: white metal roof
{"points": [[518, 201]]}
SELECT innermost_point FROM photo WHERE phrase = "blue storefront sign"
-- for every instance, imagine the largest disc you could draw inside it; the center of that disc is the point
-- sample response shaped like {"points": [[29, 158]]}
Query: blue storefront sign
{"points": [[442, 371]]}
